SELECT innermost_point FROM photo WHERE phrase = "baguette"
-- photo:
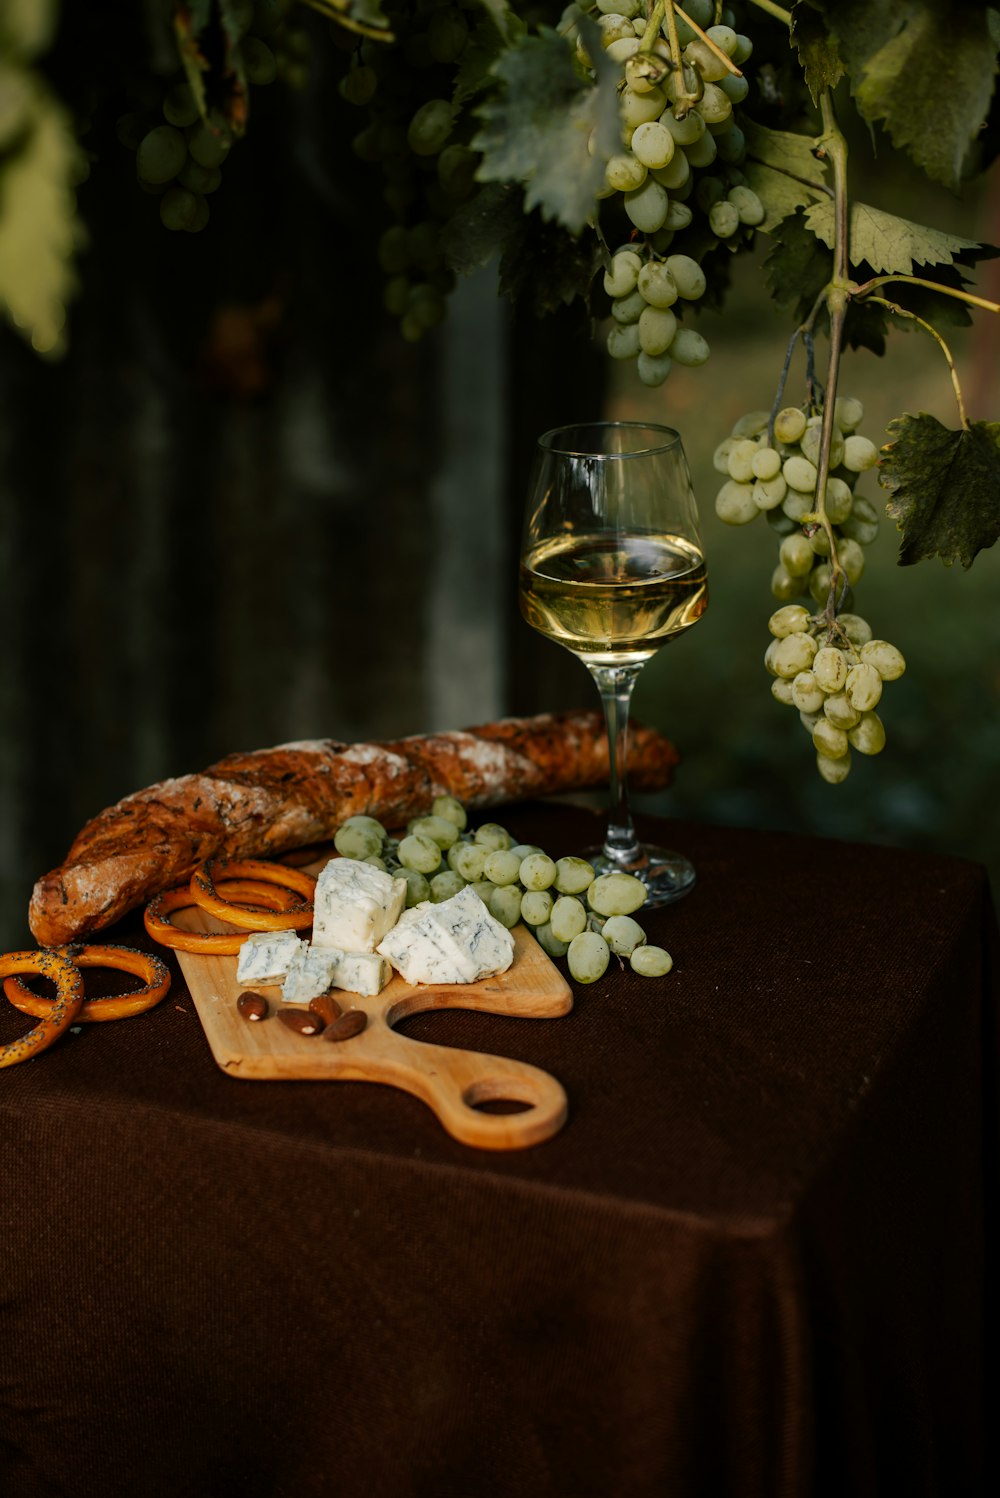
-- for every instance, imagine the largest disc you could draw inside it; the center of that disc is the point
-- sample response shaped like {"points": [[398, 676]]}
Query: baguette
{"points": [[270, 801]]}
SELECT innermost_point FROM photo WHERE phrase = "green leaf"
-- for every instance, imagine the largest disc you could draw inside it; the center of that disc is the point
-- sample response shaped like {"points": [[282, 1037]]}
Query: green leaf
{"points": [[817, 52], [545, 267], [924, 68], [27, 27], [479, 228], [944, 487], [480, 53], [39, 230], [797, 268], [537, 129], [781, 169], [888, 244]]}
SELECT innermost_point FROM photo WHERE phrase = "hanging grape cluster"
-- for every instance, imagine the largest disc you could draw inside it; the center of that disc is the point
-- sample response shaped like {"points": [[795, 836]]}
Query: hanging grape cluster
{"points": [[179, 157], [677, 176], [419, 139], [824, 661]]}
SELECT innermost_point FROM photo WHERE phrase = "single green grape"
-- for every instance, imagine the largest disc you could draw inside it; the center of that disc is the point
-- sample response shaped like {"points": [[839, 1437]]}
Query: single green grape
{"points": [[209, 142], [446, 884], [451, 809], [568, 918], [504, 904], [420, 853], [418, 886], [439, 829], [493, 837], [524, 850], [587, 957], [538, 871], [573, 875], [430, 127], [178, 209], [180, 107], [352, 841], [536, 906], [468, 859], [260, 64], [550, 943], [623, 935], [502, 866], [161, 155], [651, 962], [616, 894]]}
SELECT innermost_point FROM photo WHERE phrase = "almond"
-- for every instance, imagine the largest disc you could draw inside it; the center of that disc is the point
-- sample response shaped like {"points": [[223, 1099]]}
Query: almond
{"points": [[351, 1023], [302, 1021], [252, 1005]]}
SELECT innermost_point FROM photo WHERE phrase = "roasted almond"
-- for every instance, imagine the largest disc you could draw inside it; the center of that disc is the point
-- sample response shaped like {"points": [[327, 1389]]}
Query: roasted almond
{"points": [[302, 1021], [350, 1023], [252, 1005], [326, 1006]]}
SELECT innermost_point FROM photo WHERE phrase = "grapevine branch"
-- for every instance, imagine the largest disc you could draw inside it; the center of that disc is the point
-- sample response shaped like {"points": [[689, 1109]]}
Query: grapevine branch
{"points": [[966, 296], [834, 147]]}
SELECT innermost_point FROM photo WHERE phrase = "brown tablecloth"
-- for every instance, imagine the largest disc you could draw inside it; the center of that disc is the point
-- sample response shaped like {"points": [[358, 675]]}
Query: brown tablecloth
{"points": [[752, 1263]]}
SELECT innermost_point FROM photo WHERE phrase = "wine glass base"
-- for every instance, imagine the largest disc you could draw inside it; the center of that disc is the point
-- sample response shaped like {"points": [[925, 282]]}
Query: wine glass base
{"points": [[667, 875]]}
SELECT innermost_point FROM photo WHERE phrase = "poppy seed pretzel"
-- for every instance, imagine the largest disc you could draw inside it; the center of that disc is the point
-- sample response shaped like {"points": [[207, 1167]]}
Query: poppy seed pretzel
{"points": [[269, 801]]}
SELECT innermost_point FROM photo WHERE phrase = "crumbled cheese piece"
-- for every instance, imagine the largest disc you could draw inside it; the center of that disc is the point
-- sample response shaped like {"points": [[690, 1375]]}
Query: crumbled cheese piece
{"points": [[265, 955], [455, 941], [355, 905]]}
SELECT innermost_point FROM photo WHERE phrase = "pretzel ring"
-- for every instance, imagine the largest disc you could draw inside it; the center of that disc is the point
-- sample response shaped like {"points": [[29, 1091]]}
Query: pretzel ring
{"points": [[161, 928], [205, 893], [117, 1006], [65, 1007]]}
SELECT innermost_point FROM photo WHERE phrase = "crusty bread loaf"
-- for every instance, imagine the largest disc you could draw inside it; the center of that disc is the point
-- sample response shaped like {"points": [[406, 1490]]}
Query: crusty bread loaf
{"points": [[267, 802]]}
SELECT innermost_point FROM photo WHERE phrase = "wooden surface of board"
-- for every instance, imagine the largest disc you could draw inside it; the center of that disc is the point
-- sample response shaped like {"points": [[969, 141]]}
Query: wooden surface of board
{"points": [[454, 1083]]}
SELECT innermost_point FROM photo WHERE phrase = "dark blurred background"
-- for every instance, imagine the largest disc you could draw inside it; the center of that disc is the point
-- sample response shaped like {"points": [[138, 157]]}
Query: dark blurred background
{"points": [[241, 510]]}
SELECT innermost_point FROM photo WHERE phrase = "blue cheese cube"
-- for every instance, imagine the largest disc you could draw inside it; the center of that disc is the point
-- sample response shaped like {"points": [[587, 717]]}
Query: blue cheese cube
{"points": [[317, 970], [456, 941], [310, 973], [355, 905], [265, 955]]}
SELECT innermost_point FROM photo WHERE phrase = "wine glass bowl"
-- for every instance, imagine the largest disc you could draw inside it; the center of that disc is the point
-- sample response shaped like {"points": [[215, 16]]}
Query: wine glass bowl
{"points": [[612, 568]]}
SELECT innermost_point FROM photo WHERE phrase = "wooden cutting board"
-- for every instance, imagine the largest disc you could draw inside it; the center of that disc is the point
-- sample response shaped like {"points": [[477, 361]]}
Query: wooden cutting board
{"points": [[454, 1083]]}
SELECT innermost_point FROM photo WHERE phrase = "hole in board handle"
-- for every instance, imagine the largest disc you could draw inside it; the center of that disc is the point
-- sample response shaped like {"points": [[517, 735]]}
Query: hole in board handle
{"points": [[499, 1097]]}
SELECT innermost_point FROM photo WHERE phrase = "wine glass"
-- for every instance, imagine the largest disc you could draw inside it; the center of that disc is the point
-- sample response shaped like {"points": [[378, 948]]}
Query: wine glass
{"points": [[612, 568]]}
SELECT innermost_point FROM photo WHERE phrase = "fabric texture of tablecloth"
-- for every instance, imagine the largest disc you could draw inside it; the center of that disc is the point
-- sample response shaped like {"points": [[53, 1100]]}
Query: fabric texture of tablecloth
{"points": [[751, 1265]]}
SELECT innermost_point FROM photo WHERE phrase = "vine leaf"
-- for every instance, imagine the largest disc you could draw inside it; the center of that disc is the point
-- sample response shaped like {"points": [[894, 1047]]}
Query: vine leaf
{"points": [[817, 52], [887, 243], [487, 40], [536, 130], [924, 69], [944, 487], [781, 169], [39, 231]]}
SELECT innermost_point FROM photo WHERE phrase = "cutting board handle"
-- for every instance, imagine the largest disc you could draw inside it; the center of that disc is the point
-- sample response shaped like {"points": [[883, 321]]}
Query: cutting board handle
{"points": [[456, 1084]]}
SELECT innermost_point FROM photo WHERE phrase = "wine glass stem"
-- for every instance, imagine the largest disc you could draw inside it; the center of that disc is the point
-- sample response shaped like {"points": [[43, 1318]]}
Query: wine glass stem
{"points": [[615, 684]]}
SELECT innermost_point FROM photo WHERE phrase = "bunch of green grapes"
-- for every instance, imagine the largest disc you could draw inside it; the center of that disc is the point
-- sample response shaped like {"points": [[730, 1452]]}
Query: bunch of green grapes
{"points": [[677, 175], [179, 158], [419, 139], [575, 913], [833, 672], [771, 469], [824, 661]]}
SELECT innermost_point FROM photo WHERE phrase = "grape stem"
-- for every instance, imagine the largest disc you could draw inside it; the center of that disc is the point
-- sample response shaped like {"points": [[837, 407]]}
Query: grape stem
{"points": [[904, 312], [712, 46], [837, 295], [683, 97], [776, 11]]}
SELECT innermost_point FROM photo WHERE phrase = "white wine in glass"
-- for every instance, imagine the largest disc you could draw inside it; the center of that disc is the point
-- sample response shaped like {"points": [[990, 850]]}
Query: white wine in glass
{"points": [[612, 567]]}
